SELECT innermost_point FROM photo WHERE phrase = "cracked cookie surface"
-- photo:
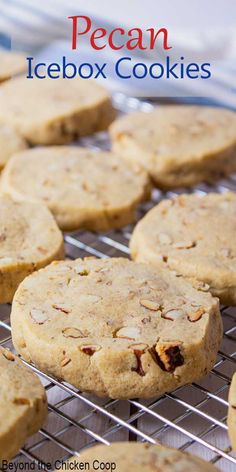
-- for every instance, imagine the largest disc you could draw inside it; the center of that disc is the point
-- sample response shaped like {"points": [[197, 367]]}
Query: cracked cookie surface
{"points": [[194, 236], [82, 188], [29, 240], [141, 457], [232, 412], [116, 328], [179, 145], [10, 143], [54, 111], [11, 64], [23, 404]]}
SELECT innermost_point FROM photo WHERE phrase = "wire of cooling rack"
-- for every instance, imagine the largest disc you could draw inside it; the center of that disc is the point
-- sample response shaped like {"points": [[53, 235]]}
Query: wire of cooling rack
{"points": [[192, 418]]}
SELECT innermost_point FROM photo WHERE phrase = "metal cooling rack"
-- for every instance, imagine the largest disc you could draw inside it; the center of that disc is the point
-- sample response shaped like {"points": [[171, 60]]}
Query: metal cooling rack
{"points": [[192, 418]]}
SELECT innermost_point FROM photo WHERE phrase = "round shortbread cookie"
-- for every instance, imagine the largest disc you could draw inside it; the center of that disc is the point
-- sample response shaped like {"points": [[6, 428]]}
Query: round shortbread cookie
{"points": [[194, 236], [179, 145], [23, 404], [10, 143], [55, 111], [11, 64], [232, 413], [29, 240], [116, 328], [138, 457], [82, 188]]}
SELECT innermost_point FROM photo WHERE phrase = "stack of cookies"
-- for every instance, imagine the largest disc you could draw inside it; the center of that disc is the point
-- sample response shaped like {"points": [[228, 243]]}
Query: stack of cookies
{"points": [[112, 327]]}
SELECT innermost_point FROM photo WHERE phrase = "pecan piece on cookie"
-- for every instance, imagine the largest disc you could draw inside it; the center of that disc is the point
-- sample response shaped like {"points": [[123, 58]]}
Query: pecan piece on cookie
{"points": [[139, 350], [73, 333], [110, 342], [150, 304], [167, 356], [196, 315], [8, 355], [128, 332], [90, 349], [172, 314], [65, 361], [38, 316], [61, 307]]}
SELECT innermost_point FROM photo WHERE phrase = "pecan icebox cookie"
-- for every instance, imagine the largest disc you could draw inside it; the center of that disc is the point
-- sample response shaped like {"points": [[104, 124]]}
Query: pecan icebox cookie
{"points": [[11, 64], [116, 328], [29, 240], [179, 145], [232, 413], [55, 111], [140, 457], [82, 188], [10, 143], [194, 236], [23, 404]]}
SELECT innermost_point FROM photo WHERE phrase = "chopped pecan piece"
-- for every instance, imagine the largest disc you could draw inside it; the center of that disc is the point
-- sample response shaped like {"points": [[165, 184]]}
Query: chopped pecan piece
{"points": [[72, 333], [8, 355], [90, 349], [38, 316], [196, 315], [167, 356], [43, 250], [150, 304], [202, 286], [128, 332], [184, 244], [139, 350], [21, 401], [65, 361], [172, 314], [81, 270], [61, 308]]}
